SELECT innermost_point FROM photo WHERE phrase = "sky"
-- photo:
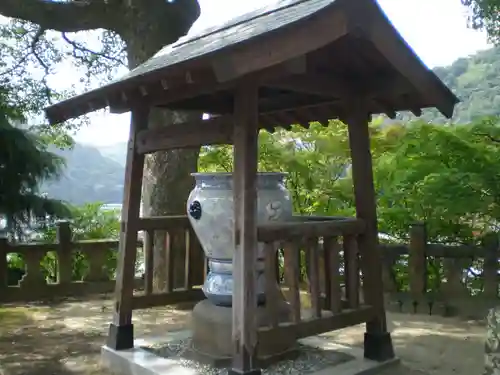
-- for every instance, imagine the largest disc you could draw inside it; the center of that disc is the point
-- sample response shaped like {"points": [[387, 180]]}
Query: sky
{"points": [[436, 30]]}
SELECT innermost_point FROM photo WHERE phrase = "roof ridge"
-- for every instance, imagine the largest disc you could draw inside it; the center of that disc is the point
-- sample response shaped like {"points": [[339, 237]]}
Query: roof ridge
{"points": [[207, 32]]}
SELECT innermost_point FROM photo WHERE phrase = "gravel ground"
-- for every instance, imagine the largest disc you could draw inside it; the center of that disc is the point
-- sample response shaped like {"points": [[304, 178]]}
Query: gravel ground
{"points": [[65, 339]]}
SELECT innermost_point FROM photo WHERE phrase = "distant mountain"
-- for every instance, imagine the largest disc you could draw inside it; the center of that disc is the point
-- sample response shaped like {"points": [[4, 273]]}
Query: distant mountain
{"points": [[476, 82], [116, 152], [89, 176]]}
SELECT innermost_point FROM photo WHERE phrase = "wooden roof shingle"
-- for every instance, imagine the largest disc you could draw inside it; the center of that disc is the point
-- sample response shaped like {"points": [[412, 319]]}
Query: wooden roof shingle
{"points": [[237, 30]]}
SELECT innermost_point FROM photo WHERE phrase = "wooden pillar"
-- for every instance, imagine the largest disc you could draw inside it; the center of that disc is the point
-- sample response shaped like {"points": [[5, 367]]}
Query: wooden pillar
{"points": [[245, 212], [121, 331], [377, 342]]}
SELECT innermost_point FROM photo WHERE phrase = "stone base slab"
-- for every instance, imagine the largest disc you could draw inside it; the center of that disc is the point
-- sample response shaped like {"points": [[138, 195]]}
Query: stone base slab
{"points": [[138, 361], [212, 331]]}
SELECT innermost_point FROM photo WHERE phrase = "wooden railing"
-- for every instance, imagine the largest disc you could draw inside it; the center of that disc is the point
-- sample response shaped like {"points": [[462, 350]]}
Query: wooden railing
{"points": [[185, 260], [333, 309], [439, 276], [325, 248]]}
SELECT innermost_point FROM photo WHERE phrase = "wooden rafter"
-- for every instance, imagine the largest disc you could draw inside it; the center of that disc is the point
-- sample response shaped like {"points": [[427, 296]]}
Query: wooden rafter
{"points": [[340, 87]]}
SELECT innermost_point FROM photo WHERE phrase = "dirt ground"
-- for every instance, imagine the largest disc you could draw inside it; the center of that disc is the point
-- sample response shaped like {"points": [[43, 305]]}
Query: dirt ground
{"points": [[65, 339]]}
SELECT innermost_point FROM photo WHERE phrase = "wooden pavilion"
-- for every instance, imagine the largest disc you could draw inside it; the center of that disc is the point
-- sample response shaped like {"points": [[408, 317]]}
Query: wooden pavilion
{"points": [[300, 61]]}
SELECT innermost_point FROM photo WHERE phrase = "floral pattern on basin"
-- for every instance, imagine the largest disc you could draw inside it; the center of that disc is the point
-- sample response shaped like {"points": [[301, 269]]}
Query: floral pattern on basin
{"points": [[210, 208]]}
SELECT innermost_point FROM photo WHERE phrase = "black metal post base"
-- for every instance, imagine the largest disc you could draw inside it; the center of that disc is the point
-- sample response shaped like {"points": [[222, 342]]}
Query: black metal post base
{"points": [[378, 346], [249, 372], [120, 337]]}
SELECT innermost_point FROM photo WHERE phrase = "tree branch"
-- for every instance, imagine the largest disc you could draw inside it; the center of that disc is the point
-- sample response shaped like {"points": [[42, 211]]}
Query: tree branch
{"points": [[69, 16], [33, 44], [82, 48], [489, 136]]}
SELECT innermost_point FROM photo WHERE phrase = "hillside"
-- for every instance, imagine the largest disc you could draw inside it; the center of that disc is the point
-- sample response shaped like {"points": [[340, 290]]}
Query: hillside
{"points": [[97, 174], [116, 152], [89, 177], [476, 82]]}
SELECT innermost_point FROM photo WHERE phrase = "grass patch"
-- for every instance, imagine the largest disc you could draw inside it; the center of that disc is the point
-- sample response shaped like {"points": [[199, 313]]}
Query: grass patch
{"points": [[14, 317]]}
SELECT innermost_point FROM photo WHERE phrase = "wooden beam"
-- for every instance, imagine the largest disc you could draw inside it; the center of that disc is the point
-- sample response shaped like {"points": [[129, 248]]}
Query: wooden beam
{"points": [[219, 103], [245, 231], [214, 131], [282, 45], [219, 130], [204, 82], [316, 84], [331, 86], [297, 65], [385, 108], [173, 222], [315, 326], [157, 92], [121, 334], [407, 102], [310, 229], [285, 120]]}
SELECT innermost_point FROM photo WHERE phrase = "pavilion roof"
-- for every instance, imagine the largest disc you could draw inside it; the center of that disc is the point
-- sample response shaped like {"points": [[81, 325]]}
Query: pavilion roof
{"points": [[312, 58]]}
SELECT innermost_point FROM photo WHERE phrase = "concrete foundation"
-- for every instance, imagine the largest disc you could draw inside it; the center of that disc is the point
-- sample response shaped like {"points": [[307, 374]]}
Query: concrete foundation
{"points": [[212, 335], [139, 361]]}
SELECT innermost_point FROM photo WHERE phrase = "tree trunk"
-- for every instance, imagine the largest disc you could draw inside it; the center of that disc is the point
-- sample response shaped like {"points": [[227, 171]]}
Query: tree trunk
{"points": [[167, 180], [167, 184]]}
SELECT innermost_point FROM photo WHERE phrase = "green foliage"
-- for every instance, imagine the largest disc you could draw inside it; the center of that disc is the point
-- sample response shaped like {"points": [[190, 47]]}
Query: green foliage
{"points": [[315, 160], [443, 175], [89, 222], [25, 163], [475, 81], [93, 177], [485, 15]]}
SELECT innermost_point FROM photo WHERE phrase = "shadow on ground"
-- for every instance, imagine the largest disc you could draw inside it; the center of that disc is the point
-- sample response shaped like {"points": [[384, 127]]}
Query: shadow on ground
{"points": [[64, 338]]}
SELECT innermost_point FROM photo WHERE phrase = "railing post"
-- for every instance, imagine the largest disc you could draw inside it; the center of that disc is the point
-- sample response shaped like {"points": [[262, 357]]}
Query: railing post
{"points": [[33, 278], [389, 281], [492, 349], [453, 272], [351, 271], [331, 251], [491, 266], [417, 265], [65, 264], [97, 262], [148, 247], [4, 244]]}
